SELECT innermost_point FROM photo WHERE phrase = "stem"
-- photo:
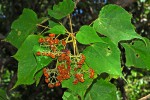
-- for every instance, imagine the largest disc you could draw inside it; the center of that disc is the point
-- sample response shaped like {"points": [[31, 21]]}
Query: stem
{"points": [[43, 26], [70, 23], [44, 20], [75, 48]]}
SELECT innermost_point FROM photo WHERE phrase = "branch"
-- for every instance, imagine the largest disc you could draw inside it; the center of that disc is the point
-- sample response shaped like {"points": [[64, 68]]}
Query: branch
{"points": [[145, 97]]}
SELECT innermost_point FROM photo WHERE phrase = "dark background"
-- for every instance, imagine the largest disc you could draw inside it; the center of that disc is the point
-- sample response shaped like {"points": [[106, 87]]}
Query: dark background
{"points": [[85, 12]]}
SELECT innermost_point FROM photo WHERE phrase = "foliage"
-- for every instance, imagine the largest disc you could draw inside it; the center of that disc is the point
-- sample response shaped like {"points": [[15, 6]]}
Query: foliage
{"points": [[102, 54], [138, 84]]}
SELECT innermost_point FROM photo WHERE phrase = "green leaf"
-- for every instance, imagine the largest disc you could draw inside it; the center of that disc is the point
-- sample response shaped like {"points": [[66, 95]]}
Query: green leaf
{"points": [[69, 96], [137, 54], [79, 88], [42, 61], [58, 29], [102, 90], [22, 28], [87, 35], [104, 57], [38, 76], [52, 23], [3, 95], [62, 9], [27, 62], [115, 23]]}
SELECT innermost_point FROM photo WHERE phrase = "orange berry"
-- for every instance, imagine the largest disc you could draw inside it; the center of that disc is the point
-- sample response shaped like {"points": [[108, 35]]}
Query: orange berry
{"points": [[57, 84], [63, 42], [47, 39], [75, 82], [44, 70], [68, 67], [79, 66], [83, 57], [75, 69], [68, 63], [67, 58], [38, 53], [53, 49], [56, 41], [68, 52], [91, 71], [46, 75], [52, 55], [63, 55], [50, 85], [41, 40], [51, 42], [59, 78], [52, 35], [46, 80]]}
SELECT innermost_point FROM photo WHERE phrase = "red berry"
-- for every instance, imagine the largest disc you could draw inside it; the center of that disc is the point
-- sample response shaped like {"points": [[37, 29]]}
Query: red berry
{"points": [[75, 82], [56, 41], [63, 42], [46, 80], [52, 55], [52, 35], [47, 39], [38, 53], [57, 84], [41, 40], [51, 42], [46, 75], [44, 70], [50, 85], [91, 71]]}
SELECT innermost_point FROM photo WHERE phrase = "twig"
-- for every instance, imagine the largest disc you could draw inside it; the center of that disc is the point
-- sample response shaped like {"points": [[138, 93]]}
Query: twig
{"points": [[70, 23], [147, 97]]}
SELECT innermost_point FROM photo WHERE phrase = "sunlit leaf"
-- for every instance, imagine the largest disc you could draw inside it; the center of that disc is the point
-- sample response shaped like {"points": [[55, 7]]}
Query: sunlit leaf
{"points": [[22, 27], [27, 62], [62, 9], [104, 57], [87, 35], [115, 23], [57, 29]]}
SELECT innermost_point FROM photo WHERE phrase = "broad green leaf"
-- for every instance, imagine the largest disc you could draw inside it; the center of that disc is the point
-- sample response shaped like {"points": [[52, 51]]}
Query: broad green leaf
{"points": [[58, 29], [104, 57], [115, 23], [38, 76], [79, 88], [137, 54], [69, 96], [87, 35], [27, 62], [42, 61], [22, 28], [52, 23], [3, 95], [101, 90], [62, 9]]}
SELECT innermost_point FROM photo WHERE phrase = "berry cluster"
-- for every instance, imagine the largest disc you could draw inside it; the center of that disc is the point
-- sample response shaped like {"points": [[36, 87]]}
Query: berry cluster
{"points": [[51, 45], [50, 78], [68, 65]]}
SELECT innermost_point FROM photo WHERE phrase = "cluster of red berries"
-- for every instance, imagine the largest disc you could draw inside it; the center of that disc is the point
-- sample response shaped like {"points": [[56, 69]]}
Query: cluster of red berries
{"points": [[50, 43], [50, 78], [68, 65]]}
